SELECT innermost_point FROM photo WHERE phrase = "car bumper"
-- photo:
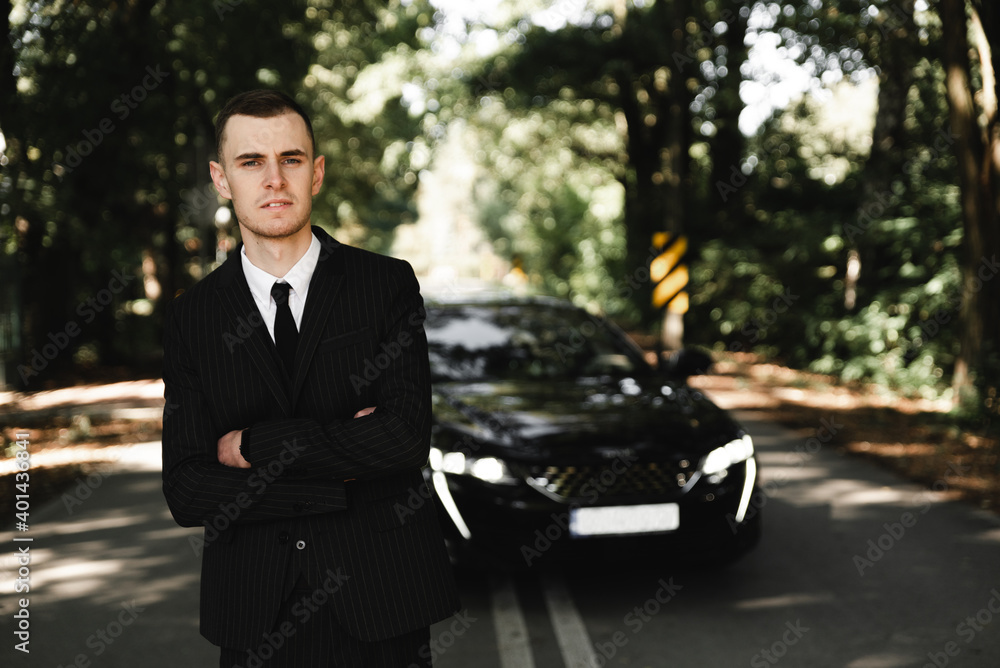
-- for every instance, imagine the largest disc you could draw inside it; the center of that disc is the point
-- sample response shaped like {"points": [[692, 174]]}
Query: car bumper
{"points": [[517, 525]]}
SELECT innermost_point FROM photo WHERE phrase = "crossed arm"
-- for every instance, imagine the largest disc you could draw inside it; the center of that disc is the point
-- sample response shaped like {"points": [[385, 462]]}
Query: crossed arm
{"points": [[312, 458], [228, 446]]}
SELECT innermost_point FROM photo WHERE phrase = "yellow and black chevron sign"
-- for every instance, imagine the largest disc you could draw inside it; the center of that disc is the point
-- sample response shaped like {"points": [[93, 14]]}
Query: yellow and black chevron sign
{"points": [[668, 272]]}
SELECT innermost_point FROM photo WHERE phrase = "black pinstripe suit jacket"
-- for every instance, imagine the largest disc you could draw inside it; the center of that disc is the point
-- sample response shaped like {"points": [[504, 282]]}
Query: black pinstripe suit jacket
{"points": [[335, 501]]}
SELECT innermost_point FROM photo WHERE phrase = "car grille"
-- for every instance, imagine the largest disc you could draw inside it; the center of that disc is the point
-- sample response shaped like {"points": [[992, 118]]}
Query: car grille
{"points": [[604, 481]]}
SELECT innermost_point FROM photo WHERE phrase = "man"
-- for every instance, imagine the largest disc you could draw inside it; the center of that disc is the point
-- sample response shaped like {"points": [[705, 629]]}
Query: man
{"points": [[297, 419]]}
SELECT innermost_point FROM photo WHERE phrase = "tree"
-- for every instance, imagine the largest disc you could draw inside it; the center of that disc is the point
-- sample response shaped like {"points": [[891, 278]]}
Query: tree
{"points": [[895, 47], [668, 73], [977, 126], [820, 182], [108, 110], [109, 129], [365, 55]]}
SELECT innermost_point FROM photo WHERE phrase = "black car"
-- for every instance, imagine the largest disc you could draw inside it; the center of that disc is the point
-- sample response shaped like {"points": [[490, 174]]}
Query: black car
{"points": [[554, 438]]}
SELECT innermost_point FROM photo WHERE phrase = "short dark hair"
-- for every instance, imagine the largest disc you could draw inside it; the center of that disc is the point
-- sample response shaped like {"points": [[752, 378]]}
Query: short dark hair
{"points": [[261, 103]]}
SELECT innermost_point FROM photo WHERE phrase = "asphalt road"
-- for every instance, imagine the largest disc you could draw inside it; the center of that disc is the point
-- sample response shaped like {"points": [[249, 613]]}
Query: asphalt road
{"points": [[856, 569]]}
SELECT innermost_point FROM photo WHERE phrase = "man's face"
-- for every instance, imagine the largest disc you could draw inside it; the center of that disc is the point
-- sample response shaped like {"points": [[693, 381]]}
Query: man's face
{"points": [[268, 171]]}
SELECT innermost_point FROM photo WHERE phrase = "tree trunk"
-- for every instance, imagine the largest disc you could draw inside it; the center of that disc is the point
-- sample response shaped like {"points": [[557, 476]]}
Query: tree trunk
{"points": [[976, 150], [898, 50], [8, 85], [655, 127], [728, 146]]}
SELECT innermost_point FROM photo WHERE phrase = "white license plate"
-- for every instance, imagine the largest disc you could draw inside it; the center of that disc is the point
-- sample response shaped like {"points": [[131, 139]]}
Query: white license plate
{"points": [[612, 520]]}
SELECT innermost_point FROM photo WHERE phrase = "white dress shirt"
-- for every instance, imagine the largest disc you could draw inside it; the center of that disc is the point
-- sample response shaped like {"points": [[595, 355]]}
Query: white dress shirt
{"points": [[298, 278]]}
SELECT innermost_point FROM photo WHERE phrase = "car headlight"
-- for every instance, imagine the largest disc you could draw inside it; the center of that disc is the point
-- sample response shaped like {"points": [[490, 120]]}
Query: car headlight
{"points": [[487, 469], [734, 452]]}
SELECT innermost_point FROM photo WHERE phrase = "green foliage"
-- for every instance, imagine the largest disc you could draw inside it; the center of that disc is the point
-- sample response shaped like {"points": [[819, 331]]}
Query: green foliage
{"points": [[771, 228], [644, 78], [589, 135], [548, 204], [110, 132], [364, 55], [780, 289]]}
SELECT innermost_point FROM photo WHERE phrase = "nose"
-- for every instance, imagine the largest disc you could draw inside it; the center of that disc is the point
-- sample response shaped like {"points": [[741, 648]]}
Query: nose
{"points": [[274, 177]]}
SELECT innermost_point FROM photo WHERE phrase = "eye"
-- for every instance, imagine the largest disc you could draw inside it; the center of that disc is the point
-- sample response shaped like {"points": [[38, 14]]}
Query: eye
{"points": [[249, 163]]}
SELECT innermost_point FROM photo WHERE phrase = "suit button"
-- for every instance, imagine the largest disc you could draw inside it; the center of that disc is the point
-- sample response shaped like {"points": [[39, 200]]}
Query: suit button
{"points": [[283, 537], [301, 545]]}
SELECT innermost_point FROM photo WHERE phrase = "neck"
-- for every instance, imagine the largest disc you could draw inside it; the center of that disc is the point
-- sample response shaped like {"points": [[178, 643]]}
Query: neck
{"points": [[274, 255]]}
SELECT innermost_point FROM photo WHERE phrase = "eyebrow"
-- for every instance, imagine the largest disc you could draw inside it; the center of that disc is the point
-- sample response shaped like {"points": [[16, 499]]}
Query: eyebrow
{"points": [[294, 152]]}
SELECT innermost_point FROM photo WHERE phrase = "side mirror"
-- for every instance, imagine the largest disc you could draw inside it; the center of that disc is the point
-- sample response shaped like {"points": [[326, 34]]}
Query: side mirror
{"points": [[687, 362]]}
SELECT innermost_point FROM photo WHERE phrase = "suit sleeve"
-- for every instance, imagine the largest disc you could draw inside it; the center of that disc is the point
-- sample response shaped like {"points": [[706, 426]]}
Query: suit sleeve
{"points": [[396, 437], [199, 489]]}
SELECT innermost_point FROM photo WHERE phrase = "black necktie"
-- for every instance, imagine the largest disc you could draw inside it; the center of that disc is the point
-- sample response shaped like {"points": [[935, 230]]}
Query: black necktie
{"points": [[286, 336]]}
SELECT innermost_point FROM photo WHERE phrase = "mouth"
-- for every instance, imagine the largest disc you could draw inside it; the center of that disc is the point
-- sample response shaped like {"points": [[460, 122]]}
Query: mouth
{"points": [[276, 204]]}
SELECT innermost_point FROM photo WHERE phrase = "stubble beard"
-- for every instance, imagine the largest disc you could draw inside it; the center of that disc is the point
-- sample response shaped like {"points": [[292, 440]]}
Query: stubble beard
{"points": [[264, 230]]}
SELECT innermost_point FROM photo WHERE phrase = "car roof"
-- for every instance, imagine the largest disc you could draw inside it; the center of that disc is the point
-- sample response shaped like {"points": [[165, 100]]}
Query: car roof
{"points": [[490, 295]]}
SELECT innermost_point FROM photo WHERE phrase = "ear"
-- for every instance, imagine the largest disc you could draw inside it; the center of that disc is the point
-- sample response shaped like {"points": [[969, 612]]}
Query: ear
{"points": [[319, 170], [219, 179]]}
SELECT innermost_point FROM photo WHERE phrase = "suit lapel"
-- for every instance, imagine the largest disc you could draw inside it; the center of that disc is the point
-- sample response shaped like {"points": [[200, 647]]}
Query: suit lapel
{"points": [[247, 323], [323, 288]]}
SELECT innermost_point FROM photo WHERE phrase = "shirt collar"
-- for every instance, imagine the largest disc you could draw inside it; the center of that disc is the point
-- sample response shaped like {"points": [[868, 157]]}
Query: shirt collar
{"points": [[298, 276]]}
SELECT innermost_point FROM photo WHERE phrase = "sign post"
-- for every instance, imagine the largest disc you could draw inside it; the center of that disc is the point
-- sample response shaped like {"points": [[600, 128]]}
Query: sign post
{"points": [[669, 274]]}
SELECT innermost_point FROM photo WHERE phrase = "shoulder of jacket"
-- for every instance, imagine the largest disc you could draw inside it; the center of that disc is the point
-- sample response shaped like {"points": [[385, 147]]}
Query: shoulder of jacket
{"points": [[200, 291], [352, 254]]}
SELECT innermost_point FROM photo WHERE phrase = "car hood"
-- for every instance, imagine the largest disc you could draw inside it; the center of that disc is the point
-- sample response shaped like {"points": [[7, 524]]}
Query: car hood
{"points": [[551, 417]]}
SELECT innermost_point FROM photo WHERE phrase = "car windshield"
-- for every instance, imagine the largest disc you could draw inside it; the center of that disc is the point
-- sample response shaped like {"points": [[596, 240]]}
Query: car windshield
{"points": [[520, 342]]}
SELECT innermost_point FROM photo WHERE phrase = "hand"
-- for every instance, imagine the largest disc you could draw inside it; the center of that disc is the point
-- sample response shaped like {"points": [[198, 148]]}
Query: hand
{"points": [[229, 450], [365, 411]]}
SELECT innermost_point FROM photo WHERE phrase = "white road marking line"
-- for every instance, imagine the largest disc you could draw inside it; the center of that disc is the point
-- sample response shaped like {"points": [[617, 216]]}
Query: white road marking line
{"points": [[511, 630], [574, 641]]}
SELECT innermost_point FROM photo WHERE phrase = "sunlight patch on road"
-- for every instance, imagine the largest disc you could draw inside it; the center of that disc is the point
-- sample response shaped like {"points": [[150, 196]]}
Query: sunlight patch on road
{"points": [[845, 496], [83, 395], [75, 579], [141, 457], [884, 660], [785, 601], [133, 457], [989, 536], [85, 526]]}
